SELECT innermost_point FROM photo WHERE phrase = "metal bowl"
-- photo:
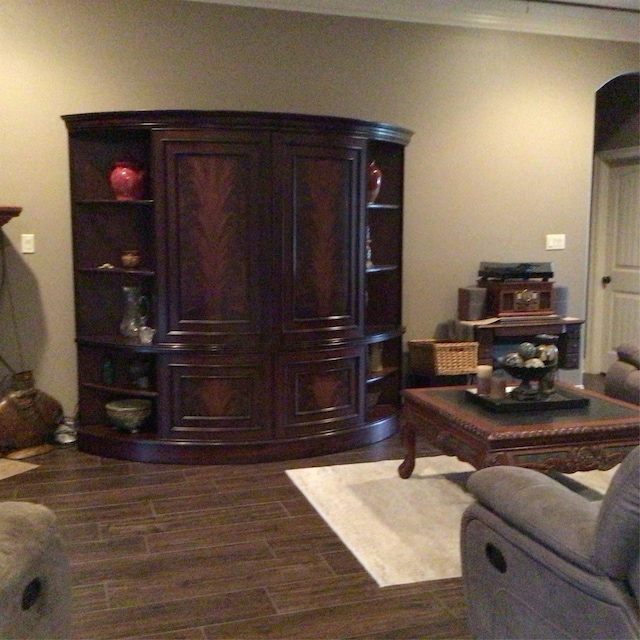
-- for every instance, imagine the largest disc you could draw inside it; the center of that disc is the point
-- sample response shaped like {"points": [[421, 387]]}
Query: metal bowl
{"points": [[542, 377], [128, 414], [529, 373]]}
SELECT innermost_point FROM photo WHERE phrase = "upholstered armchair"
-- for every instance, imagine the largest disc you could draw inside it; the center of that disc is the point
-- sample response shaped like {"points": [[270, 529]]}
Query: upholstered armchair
{"points": [[541, 561], [35, 589], [623, 376]]}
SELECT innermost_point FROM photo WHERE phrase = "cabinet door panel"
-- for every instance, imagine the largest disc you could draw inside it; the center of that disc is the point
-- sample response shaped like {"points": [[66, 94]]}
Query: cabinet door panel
{"points": [[320, 391], [321, 187], [215, 198], [214, 398]]}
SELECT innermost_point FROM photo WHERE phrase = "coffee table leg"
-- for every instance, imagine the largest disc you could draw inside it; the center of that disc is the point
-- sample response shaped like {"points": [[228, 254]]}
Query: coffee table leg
{"points": [[406, 467]]}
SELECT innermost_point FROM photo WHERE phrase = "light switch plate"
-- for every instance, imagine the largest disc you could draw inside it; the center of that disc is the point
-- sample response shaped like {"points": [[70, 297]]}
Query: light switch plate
{"points": [[555, 241], [28, 243]]}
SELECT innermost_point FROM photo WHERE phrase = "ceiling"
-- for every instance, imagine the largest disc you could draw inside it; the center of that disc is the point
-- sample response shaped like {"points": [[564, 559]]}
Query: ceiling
{"points": [[600, 19]]}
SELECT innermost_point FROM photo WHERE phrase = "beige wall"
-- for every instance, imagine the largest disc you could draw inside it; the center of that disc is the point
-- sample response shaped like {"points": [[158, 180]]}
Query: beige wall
{"points": [[501, 154]]}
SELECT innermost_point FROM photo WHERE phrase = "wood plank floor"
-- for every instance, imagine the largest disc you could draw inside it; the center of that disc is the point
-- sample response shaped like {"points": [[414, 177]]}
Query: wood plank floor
{"points": [[229, 551]]}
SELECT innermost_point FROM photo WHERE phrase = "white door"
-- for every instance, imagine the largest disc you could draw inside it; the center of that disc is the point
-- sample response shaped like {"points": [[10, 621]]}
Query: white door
{"points": [[614, 290]]}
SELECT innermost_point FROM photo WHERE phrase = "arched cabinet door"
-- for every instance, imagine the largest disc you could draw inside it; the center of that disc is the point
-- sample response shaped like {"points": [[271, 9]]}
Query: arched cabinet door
{"points": [[319, 392], [213, 222], [319, 200], [215, 398]]}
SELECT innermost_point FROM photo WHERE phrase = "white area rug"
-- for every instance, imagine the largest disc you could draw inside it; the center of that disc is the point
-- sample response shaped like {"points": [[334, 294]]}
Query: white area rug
{"points": [[403, 531], [10, 468]]}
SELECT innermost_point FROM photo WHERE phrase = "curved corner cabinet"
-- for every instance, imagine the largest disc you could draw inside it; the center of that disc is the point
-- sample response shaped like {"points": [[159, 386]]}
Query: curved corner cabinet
{"points": [[275, 337]]}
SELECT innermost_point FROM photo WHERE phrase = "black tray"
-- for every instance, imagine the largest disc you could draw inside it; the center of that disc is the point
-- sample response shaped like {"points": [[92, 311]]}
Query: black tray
{"points": [[558, 399]]}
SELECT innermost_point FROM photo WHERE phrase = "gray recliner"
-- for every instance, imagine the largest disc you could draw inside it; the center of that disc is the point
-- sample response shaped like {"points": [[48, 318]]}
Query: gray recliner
{"points": [[541, 561], [35, 584], [623, 376]]}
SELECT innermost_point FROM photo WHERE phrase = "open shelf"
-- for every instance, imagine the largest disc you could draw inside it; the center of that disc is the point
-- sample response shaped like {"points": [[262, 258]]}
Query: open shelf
{"points": [[8, 213], [129, 391], [379, 268]]}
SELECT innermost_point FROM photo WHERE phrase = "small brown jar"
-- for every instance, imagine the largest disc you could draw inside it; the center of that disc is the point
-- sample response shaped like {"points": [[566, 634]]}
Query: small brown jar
{"points": [[130, 258]]}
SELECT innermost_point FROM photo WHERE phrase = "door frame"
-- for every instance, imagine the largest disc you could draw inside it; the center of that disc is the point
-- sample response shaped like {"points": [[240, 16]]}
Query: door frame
{"points": [[603, 162]]}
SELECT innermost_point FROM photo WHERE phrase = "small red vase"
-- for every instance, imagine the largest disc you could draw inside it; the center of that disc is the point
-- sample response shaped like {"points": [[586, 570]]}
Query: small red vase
{"points": [[374, 182], [127, 180]]}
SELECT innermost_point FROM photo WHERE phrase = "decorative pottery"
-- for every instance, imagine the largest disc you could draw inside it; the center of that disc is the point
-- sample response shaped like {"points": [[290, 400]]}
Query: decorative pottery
{"points": [[130, 258], [28, 416], [139, 371], [108, 370], [374, 182], [376, 364], [145, 334], [369, 249], [371, 399], [135, 312], [127, 180], [128, 415]]}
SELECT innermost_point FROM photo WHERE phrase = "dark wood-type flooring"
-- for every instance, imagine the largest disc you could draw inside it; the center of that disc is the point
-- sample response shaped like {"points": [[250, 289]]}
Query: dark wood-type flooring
{"points": [[165, 551], [228, 551]]}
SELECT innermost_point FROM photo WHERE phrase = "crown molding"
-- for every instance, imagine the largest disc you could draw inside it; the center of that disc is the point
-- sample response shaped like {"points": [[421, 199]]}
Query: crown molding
{"points": [[617, 20]]}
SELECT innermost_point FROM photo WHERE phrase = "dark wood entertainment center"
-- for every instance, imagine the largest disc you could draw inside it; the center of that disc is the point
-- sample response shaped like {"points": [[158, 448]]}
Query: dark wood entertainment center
{"points": [[252, 235], [567, 330]]}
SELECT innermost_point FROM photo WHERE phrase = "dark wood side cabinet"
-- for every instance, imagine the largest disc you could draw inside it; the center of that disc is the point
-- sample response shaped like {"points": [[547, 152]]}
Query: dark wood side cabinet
{"points": [[275, 337], [511, 332]]}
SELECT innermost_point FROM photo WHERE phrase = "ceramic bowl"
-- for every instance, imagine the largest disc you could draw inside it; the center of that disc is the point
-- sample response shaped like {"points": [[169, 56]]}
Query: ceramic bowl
{"points": [[128, 415]]}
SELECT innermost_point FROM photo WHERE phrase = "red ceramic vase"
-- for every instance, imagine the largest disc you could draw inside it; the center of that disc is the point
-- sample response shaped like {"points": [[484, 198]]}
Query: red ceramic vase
{"points": [[127, 180], [374, 182]]}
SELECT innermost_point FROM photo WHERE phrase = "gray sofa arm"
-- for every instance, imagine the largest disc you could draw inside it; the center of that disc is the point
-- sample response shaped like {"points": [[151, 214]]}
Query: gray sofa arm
{"points": [[35, 586], [542, 508]]}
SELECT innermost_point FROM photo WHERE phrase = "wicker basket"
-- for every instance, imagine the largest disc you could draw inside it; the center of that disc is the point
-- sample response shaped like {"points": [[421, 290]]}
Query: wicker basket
{"points": [[434, 358]]}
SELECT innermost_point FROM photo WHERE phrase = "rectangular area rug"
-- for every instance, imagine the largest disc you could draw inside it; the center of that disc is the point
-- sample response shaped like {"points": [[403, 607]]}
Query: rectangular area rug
{"points": [[404, 531], [10, 468]]}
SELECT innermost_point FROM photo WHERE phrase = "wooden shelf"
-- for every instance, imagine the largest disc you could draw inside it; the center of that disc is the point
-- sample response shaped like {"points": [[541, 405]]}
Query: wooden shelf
{"points": [[379, 268], [130, 391], [116, 342], [376, 376], [146, 273], [117, 203], [7, 213], [382, 333], [383, 207]]}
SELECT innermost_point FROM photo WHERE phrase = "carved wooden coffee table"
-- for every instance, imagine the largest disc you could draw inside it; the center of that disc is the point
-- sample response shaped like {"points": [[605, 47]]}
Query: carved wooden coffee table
{"points": [[597, 436]]}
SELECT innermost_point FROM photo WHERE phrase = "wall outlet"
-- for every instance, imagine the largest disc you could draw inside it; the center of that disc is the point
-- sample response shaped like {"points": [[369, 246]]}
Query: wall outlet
{"points": [[555, 241], [28, 243]]}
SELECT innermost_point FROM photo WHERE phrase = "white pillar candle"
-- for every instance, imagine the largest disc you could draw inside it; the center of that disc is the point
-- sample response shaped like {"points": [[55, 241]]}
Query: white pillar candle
{"points": [[483, 375]]}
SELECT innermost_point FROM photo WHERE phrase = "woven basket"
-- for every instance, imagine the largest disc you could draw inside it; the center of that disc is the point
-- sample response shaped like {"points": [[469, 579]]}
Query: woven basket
{"points": [[434, 358]]}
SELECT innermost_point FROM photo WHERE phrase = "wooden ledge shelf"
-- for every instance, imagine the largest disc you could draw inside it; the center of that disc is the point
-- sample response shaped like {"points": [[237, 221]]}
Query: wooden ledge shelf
{"points": [[6, 213]]}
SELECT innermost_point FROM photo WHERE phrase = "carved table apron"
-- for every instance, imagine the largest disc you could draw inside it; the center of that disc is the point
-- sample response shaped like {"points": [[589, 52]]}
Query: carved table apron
{"points": [[597, 436]]}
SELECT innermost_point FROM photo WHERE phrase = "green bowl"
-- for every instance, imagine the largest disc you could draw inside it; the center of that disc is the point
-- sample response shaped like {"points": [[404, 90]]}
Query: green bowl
{"points": [[128, 415]]}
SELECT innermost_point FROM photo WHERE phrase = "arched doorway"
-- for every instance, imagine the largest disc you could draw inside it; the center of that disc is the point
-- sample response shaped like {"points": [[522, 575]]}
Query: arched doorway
{"points": [[614, 261]]}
